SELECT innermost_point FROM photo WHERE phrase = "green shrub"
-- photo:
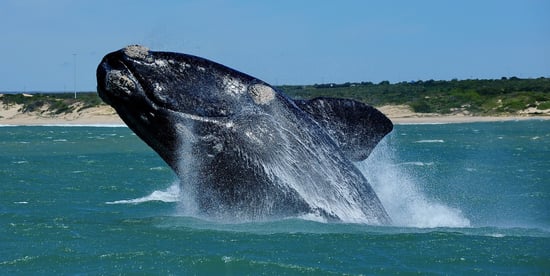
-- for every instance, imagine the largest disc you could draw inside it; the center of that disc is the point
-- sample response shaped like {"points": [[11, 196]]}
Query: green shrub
{"points": [[421, 107], [544, 105]]}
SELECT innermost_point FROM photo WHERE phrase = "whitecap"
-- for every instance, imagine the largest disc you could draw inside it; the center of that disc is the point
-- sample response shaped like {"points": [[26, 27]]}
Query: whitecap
{"points": [[171, 194], [227, 259], [418, 163], [431, 141]]}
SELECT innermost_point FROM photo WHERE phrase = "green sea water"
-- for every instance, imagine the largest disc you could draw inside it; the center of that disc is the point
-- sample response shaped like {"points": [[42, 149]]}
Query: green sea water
{"points": [[464, 199]]}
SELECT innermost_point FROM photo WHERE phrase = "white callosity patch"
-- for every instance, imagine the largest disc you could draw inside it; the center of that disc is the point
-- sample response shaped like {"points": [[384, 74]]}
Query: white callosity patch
{"points": [[182, 66], [161, 63], [233, 86], [138, 52], [119, 82], [261, 94]]}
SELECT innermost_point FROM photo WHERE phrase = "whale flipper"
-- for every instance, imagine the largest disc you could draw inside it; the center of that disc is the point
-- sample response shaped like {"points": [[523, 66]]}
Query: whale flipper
{"points": [[356, 127]]}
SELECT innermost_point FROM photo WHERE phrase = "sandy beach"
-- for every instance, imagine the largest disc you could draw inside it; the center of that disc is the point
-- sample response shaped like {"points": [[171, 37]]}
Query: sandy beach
{"points": [[402, 114], [105, 115], [102, 115]]}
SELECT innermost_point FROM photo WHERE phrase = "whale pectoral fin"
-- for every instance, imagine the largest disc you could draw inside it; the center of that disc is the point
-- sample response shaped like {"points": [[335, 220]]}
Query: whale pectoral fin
{"points": [[356, 127]]}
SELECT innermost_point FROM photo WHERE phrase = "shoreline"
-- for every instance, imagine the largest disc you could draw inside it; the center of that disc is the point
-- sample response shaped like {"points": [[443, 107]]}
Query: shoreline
{"points": [[107, 117], [462, 119]]}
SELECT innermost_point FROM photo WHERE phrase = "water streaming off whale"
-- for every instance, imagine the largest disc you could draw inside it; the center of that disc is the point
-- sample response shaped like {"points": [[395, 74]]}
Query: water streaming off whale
{"points": [[307, 171], [242, 149], [397, 185]]}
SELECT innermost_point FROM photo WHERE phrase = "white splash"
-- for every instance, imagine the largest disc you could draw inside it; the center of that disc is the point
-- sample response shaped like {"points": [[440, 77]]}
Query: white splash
{"points": [[421, 164], [171, 194], [398, 190], [187, 172], [431, 141]]}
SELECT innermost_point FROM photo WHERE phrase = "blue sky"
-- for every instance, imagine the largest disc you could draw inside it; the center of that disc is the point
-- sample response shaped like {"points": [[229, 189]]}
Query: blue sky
{"points": [[281, 42]]}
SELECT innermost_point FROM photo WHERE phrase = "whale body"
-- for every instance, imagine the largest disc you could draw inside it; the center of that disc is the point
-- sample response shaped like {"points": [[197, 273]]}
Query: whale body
{"points": [[246, 150]]}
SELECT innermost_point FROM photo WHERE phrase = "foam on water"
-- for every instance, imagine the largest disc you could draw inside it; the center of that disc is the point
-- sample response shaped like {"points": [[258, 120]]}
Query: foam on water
{"points": [[421, 164], [171, 194], [431, 141], [398, 190]]}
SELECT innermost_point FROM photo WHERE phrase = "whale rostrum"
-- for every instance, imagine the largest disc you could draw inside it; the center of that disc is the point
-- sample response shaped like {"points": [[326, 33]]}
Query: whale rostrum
{"points": [[244, 149]]}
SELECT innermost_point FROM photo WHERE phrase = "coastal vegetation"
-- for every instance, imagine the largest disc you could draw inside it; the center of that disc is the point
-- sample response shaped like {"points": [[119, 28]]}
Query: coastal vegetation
{"points": [[477, 97], [51, 103], [503, 96]]}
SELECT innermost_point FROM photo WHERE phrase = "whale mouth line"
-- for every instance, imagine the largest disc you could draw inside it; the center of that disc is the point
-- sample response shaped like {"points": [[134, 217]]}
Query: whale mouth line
{"points": [[149, 94], [140, 89], [206, 119]]}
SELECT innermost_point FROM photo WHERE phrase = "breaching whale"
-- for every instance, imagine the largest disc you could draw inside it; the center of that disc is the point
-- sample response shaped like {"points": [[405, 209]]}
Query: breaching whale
{"points": [[247, 151]]}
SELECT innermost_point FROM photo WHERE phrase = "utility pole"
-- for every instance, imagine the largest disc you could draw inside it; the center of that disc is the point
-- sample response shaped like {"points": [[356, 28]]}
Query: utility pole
{"points": [[74, 74]]}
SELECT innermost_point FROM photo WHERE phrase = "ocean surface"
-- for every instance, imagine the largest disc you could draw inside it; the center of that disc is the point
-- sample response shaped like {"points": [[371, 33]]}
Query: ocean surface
{"points": [[464, 199]]}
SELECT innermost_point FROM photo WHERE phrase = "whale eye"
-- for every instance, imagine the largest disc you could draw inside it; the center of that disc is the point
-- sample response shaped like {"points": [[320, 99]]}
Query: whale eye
{"points": [[261, 94]]}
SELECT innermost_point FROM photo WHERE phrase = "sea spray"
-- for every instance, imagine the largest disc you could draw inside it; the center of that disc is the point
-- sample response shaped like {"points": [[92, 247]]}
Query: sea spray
{"points": [[263, 167], [187, 171], [396, 183], [397, 187], [171, 194]]}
